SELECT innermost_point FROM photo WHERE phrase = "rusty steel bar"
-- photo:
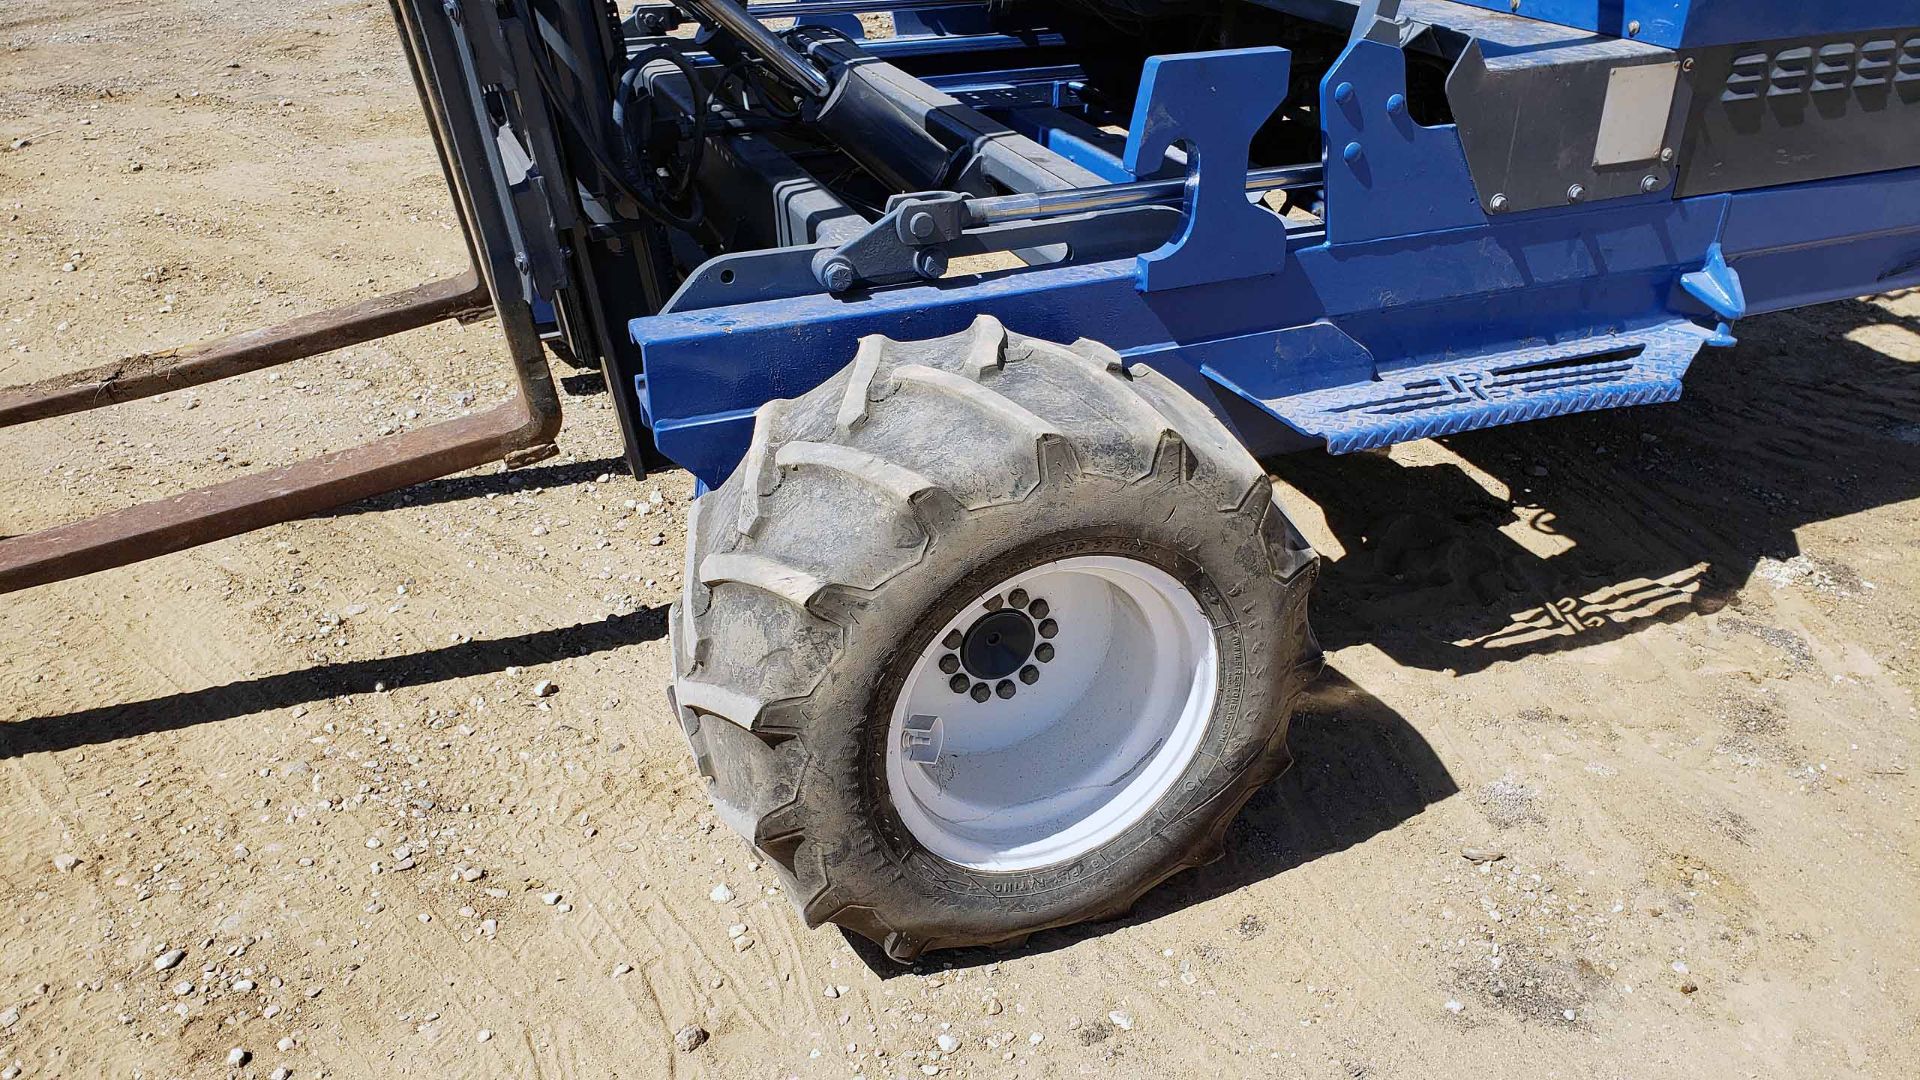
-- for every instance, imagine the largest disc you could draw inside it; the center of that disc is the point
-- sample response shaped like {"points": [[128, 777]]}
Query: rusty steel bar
{"points": [[265, 498], [520, 430], [236, 354]]}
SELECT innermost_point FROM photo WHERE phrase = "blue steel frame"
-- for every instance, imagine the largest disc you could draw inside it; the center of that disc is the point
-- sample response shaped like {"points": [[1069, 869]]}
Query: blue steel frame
{"points": [[1409, 313]]}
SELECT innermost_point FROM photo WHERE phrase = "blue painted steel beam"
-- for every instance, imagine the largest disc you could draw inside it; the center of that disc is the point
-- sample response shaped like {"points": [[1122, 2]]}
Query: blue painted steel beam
{"points": [[1407, 301], [1678, 24]]}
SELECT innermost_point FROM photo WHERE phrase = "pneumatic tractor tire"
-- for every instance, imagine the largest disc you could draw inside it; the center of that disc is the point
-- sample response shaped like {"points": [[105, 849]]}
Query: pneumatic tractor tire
{"points": [[987, 635]]}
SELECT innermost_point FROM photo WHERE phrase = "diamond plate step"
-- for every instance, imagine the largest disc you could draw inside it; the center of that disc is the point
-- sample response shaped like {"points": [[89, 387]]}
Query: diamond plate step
{"points": [[1639, 367]]}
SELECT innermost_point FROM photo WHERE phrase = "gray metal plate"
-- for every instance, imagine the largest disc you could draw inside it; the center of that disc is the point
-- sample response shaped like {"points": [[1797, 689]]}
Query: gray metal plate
{"points": [[1568, 122]]}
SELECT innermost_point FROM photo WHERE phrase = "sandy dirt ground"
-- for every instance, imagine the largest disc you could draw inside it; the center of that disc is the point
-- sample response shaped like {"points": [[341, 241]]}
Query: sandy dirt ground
{"points": [[1611, 773]]}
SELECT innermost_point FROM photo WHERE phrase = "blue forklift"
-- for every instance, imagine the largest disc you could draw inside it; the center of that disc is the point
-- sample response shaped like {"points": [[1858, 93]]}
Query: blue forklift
{"points": [[974, 321]]}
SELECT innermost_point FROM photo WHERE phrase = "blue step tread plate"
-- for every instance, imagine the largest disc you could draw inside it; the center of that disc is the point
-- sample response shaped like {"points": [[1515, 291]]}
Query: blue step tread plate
{"points": [[1635, 367]]}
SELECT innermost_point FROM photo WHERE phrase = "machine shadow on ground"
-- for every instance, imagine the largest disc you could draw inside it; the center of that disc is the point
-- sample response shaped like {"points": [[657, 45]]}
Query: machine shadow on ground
{"points": [[1640, 516], [169, 712], [1359, 770]]}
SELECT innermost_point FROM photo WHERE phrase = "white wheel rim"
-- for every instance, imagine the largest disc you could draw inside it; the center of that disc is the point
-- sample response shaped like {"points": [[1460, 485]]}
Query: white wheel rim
{"points": [[1075, 757]]}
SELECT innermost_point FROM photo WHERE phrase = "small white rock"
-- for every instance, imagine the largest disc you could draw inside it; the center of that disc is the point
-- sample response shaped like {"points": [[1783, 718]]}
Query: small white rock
{"points": [[545, 688], [64, 862], [169, 959], [830, 992], [182, 988], [1454, 1006], [237, 1057], [721, 895], [482, 1035], [550, 899], [947, 1043], [1121, 1019]]}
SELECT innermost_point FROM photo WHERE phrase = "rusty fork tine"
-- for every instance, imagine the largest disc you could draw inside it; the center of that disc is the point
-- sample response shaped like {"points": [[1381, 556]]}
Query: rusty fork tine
{"points": [[518, 431], [264, 498], [236, 354]]}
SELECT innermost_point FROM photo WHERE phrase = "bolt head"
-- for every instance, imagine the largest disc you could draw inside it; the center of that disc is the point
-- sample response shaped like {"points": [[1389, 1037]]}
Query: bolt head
{"points": [[1633, 28], [1666, 153], [1498, 202], [1649, 184], [1576, 192], [930, 264], [834, 273], [920, 224]]}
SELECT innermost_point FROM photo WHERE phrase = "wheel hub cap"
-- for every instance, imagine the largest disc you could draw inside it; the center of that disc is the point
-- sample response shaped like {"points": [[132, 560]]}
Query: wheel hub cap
{"points": [[998, 644], [1051, 713]]}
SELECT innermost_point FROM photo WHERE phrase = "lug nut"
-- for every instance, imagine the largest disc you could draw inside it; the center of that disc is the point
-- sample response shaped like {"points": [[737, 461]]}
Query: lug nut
{"points": [[1031, 674], [1005, 689], [959, 684], [1048, 628], [949, 663], [953, 639], [1018, 598], [980, 692], [1038, 609], [1043, 652]]}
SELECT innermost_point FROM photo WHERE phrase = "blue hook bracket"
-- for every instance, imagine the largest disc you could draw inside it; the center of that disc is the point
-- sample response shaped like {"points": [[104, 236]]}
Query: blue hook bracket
{"points": [[1213, 102]]}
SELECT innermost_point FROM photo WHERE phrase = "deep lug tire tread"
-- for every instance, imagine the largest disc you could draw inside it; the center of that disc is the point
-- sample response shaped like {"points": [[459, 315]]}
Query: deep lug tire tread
{"points": [[842, 492]]}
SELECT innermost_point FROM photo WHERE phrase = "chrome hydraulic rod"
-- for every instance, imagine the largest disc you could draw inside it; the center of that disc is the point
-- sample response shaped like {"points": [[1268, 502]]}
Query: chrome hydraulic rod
{"points": [[736, 19], [997, 209]]}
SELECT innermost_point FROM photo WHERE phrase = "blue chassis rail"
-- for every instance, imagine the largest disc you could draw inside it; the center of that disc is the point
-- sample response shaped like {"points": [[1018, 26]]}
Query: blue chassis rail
{"points": [[1411, 313]]}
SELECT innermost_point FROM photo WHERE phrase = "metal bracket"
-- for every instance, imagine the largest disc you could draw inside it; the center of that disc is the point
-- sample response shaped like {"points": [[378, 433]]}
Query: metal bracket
{"points": [[1213, 102], [1387, 175], [903, 245], [919, 234], [1717, 285]]}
